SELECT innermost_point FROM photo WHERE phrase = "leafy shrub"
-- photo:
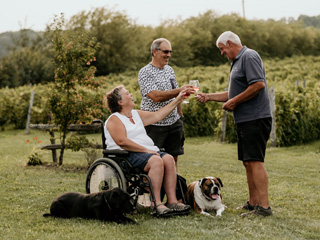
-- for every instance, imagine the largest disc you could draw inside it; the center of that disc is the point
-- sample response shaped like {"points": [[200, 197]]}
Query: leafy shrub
{"points": [[34, 157]]}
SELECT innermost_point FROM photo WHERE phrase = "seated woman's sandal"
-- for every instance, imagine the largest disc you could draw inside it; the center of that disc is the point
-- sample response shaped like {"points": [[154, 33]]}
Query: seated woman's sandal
{"points": [[173, 209], [179, 208], [162, 212]]}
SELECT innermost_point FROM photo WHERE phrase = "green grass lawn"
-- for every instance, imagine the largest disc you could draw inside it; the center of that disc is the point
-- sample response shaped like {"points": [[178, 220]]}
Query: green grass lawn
{"points": [[27, 192]]}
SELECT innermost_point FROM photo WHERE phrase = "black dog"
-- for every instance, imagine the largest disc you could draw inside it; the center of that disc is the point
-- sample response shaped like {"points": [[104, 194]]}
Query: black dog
{"points": [[109, 205]]}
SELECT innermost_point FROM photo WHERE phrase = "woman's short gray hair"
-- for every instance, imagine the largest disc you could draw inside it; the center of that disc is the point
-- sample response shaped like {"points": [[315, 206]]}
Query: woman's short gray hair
{"points": [[228, 35], [112, 99], [156, 44]]}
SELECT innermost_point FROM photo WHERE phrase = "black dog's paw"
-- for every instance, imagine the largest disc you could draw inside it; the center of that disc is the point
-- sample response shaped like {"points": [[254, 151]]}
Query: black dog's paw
{"points": [[47, 215]]}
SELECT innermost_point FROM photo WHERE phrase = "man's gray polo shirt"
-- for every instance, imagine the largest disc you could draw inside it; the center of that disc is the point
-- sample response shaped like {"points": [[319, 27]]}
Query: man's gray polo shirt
{"points": [[247, 68]]}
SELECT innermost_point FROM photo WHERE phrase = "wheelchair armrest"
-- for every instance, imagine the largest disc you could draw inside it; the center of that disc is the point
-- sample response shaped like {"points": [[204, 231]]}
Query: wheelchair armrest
{"points": [[115, 152]]}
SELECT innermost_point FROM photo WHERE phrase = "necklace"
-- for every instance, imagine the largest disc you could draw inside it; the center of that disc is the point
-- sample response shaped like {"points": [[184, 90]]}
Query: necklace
{"points": [[130, 118], [126, 115]]}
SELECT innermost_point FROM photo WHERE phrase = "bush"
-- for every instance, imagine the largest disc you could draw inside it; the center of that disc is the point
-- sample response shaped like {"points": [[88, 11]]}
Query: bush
{"points": [[34, 157]]}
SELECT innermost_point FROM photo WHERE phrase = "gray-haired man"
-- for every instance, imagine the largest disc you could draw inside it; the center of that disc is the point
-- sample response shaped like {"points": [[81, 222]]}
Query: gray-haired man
{"points": [[247, 97]]}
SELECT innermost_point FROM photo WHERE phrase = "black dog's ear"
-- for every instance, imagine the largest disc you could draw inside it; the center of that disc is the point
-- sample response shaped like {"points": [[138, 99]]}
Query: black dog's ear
{"points": [[219, 180], [114, 198]]}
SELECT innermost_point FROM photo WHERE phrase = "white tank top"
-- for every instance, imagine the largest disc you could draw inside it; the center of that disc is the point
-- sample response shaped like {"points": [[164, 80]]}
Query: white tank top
{"points": [[135, 132]]}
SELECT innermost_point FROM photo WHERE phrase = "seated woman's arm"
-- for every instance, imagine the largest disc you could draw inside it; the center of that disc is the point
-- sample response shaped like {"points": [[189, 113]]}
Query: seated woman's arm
{"points": [[118, 133], [153, 117]]}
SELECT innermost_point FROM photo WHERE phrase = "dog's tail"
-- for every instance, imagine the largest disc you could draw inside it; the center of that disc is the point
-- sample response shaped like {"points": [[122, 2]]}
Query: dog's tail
{"points": [[47, 215]]}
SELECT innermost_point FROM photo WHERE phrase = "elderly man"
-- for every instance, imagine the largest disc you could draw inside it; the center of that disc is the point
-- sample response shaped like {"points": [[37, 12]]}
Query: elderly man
{"points": [[158, 87], [247, 97]]}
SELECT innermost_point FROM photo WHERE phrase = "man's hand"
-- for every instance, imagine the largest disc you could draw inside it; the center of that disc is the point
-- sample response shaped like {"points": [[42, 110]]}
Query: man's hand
{"points": [[229, 105], [202, 97]]}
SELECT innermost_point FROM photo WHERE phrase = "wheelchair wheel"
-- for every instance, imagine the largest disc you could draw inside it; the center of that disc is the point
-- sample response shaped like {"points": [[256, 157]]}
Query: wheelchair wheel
{"points": [[105, 174]]}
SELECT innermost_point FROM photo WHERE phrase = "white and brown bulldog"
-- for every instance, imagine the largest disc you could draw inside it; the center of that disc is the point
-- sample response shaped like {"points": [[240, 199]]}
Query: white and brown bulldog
{"points": [[205, 195]]}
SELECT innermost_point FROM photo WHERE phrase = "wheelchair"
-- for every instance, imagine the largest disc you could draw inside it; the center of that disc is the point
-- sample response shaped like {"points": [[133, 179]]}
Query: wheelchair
{"points": [[114, 170]]}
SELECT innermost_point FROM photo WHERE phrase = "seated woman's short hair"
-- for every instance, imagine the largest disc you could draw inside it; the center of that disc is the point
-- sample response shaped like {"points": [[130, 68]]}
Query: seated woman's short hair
{"points": [[112, 99]]}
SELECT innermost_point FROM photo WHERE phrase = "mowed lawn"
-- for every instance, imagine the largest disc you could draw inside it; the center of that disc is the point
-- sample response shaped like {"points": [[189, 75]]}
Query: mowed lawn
{"points": [[26, 193]]}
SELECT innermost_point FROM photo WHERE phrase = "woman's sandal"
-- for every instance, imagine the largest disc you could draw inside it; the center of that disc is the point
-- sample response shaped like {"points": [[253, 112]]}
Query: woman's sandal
{"points": [[179, 208], [162, 212]]}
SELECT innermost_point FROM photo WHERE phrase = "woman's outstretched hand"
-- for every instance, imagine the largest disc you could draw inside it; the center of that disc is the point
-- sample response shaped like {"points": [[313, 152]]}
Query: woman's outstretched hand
{"points": [[184, 94]]}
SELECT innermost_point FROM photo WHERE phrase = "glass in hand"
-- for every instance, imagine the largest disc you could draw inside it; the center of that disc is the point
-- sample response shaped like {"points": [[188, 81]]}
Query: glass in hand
{"points": [[195, 84]]}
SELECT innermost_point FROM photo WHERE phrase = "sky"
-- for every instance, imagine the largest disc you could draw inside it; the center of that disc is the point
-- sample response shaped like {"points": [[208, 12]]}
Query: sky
{"points": [[36, 14]]}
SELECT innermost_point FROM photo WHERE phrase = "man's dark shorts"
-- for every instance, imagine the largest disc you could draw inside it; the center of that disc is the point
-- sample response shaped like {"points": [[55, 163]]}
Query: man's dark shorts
{"points": [[252, 139], [171, 138], [140, 160]]}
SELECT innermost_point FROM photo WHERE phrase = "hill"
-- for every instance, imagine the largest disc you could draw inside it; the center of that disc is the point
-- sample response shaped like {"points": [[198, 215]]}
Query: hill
{"points": [[10, 39], [310, 21]]}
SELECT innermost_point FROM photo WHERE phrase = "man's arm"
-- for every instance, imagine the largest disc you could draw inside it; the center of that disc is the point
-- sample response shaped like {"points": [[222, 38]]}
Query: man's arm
{"points": [[218, 97], [160, 96], [252, 91]]}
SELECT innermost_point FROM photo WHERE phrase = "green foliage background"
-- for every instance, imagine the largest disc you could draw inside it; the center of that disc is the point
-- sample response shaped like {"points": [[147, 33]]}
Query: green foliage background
{"points": [[125, 45], [290, 50], [297, 113]]}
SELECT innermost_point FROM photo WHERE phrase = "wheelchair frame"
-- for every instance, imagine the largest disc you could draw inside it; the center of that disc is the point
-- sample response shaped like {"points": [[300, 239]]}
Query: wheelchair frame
{"points": [[114, 170]]}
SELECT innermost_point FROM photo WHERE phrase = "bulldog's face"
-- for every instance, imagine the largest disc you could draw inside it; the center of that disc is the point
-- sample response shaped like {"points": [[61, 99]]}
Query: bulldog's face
{"points": [[211, 188]]}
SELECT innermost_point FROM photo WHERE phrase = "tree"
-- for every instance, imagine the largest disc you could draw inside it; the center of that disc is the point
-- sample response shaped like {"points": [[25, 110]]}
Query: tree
{"points": [[28, 62], [124, 44], [74, 53]]}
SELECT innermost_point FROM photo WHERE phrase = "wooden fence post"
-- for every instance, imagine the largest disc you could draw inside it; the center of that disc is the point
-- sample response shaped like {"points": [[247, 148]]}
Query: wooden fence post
{"points": [[53, 141], [29, 112], [273, 137]]}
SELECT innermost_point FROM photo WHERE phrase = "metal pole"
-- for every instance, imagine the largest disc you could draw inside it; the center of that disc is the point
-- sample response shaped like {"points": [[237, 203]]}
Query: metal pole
{"points": [[29, 112], [244, 16], [273, 135]]}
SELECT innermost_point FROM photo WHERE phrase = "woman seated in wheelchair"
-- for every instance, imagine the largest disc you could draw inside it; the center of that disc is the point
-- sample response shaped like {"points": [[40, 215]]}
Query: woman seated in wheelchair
{"points": [[124, 129]]}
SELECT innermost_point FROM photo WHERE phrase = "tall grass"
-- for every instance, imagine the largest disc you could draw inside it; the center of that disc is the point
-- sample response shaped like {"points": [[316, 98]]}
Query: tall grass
{"points": [[27, 191]]}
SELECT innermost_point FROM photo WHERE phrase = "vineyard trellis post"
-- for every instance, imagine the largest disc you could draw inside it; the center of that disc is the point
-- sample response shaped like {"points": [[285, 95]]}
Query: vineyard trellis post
{"points": [[29, 112], [273, 137]]}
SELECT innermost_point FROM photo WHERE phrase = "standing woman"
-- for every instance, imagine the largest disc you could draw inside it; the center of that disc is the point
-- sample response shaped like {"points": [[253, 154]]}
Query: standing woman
{"points": [[124, 129]]}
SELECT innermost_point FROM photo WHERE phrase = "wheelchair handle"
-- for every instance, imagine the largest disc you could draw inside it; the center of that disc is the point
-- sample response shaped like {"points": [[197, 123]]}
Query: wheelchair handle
{"points": [[102, 132]]}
